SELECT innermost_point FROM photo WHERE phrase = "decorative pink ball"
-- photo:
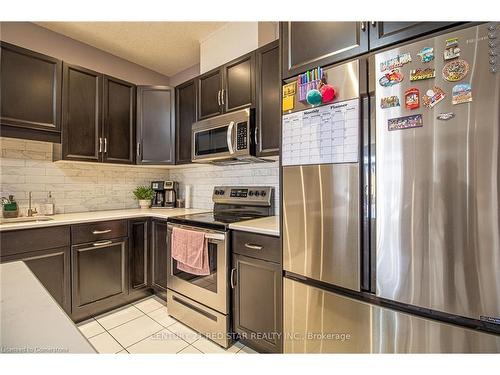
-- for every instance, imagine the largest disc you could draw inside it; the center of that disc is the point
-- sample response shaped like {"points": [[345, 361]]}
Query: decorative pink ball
{"points": [[327, 93]]}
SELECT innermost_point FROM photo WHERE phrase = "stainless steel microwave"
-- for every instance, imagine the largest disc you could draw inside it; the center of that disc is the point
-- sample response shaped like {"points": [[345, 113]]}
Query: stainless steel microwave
{"points": [[225, 139]]}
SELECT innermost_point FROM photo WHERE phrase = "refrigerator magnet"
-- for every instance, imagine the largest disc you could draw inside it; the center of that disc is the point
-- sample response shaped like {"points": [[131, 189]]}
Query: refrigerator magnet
{"points": [[455, 70], [426, 54], [461, 93], [389, 102], [395, 62], [451, 53], [445, 116], [422, 74], [412, 98], [391, 78], [432, 97], [407, 122]]}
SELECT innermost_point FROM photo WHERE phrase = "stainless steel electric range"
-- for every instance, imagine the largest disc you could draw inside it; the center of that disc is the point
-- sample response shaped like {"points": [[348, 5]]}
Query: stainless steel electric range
{"points": [[202, 302]]}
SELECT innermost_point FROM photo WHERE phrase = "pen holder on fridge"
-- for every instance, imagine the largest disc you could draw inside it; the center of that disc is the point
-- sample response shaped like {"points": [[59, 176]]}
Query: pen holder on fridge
{"points": [[304, 88]]}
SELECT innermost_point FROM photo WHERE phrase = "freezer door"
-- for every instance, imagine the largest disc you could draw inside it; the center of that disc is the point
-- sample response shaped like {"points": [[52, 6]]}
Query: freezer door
{"points": [[319, 321], [321, 223], [437, 193]]}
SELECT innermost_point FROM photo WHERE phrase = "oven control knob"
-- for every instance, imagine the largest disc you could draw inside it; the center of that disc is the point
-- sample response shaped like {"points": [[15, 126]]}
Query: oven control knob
{"points": [[250, 193], [257, 193], [263, 193]]}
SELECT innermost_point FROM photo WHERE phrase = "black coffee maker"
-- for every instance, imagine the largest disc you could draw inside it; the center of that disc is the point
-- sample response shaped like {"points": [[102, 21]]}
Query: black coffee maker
{"points": [[165, 194]]}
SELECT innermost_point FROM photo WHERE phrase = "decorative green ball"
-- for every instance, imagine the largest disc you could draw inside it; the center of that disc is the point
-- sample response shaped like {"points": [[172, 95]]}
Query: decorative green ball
{"points": [[314, 97]]}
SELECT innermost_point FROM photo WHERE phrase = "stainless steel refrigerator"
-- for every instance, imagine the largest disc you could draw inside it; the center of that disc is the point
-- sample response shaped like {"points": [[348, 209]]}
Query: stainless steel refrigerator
{"points": [[408, 231]]}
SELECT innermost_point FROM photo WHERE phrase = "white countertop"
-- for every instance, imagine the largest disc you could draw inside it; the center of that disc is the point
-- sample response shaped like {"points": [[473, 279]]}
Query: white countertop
{"points": [[265, 225], [31, 321], [87, 217]]}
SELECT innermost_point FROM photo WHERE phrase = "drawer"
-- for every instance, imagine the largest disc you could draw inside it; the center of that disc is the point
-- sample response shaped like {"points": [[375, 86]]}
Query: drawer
{"points": [[27, 240], [100, 230], [257, 246]]}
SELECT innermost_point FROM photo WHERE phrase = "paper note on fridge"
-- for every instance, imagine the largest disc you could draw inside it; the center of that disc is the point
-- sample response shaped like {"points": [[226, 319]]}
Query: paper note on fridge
{"points": [[327, 134]]}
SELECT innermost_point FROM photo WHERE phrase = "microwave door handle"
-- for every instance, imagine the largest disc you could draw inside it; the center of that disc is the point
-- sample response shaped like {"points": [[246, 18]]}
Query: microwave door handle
{"points": [[230, 137]]}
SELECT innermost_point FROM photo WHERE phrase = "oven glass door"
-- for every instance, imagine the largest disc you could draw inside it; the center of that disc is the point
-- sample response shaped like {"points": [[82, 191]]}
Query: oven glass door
{"points": [[208, 282], [211, 141], [210, 290]]}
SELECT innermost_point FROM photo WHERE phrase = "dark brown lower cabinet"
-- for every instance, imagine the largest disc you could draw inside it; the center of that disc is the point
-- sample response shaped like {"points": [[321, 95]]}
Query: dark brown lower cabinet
{"points": [[99, 276], [138, 254], [257, 303], [52, 268], [159, 257]]}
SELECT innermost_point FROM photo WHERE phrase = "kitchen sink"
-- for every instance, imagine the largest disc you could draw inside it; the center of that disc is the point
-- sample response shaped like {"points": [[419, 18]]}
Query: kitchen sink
{"points": [[25, 219]]}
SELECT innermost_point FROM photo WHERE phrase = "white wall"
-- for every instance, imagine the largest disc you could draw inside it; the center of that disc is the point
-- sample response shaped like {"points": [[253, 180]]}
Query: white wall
{"points": [[227, 43], [42, 40]]}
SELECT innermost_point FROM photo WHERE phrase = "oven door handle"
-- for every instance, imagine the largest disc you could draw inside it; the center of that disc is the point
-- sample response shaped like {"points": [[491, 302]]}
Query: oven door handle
{"points": [[215, 236], [230, 137]]}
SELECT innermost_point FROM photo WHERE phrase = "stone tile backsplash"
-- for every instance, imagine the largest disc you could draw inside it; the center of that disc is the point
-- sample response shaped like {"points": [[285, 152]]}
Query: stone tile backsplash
{"points": [[27, 166], [203, 178], [76, 187]]}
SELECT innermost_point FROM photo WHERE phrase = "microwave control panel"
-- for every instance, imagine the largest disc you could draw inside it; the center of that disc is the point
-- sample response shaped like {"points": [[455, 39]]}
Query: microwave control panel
{"points": [[241, 136]]}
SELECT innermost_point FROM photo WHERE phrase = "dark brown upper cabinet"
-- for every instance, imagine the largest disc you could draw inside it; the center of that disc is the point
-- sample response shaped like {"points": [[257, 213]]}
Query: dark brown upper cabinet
{"points": [[98, 117], [30, 88], [228, 88], [155, 125], [268, 87], [118, 120], [238, 90], [185, 116], [385, 33], [82, 114], [306, 45], [209, 94]]}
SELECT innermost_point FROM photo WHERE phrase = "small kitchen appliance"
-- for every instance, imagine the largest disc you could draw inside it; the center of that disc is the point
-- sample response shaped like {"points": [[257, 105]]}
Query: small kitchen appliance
{"points": [[165, 194]]}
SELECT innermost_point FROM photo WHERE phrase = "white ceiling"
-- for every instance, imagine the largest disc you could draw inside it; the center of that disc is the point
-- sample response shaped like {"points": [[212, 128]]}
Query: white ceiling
{"points": [[165, 47]]}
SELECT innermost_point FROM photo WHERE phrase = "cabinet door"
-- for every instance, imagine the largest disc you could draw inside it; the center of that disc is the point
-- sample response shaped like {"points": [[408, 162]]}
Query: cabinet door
{"points": [[209, 94], [138, 253], [155, 125], [159, 258], [307, 45], [267, 131], [119, 121], [30, 88], [185, 115], [81, 114], [257, 302], [99, 276], [385, 33], [52, 268], [239, 83]]}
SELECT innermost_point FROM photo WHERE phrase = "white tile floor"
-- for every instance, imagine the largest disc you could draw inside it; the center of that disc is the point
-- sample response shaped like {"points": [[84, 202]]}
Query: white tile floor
{"points": [[146, 327]]}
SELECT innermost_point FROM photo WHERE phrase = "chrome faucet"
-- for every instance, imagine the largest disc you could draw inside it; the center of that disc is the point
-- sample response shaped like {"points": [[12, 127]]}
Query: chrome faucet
{"points": [[31, 211]]}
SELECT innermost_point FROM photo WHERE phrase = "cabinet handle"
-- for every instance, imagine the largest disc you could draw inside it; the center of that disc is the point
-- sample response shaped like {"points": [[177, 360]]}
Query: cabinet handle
{"points": [[232, 278], [363, 26], [100, 144], [253, 246], [256, 137], [102, 243], [218, 97], [138, 149], [101, 231], [222, 96], [105, 145]]}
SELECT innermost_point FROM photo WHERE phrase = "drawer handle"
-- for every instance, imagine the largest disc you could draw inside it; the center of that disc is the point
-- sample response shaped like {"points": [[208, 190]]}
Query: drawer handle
{"points": [[232, 278], [102, 243], [253, 247], [101, 231]]}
